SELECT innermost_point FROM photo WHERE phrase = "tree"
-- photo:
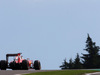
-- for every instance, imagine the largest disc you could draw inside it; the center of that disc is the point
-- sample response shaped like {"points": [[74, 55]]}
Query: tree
{"points": [[71, 64], [77, 63], [64, 65], [92, 58]]}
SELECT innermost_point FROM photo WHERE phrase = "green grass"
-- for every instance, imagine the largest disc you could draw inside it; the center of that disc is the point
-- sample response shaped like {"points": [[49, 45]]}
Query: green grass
{"points": [[64, 72]]}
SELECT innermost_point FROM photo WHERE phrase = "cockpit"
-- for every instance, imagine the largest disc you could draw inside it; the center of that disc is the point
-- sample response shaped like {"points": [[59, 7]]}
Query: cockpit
{"points": [[16, 58]]}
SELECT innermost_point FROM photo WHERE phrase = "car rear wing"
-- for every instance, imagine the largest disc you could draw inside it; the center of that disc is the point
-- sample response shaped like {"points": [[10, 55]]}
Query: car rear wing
{"points": [[11, 55]]}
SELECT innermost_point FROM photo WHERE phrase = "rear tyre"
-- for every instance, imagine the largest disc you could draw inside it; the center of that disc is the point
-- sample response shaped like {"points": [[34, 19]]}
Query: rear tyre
{"points": [[37, 65], [0, 64], [3, 65], [25, 65]]}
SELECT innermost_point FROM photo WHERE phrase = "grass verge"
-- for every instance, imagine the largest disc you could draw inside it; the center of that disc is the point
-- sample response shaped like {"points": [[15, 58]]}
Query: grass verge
{"points": [[64, 72]]}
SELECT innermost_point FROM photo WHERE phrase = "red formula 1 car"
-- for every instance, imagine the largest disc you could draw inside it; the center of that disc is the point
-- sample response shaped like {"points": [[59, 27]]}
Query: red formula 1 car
{"points": [[19, 63]]}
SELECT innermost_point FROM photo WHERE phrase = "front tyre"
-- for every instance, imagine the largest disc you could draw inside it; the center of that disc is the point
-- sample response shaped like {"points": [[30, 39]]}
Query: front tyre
{"points": [[37, 65]]}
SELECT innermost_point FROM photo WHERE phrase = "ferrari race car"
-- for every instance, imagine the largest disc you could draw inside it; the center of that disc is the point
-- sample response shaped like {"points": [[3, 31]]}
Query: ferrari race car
{"points": [[19, 63]]}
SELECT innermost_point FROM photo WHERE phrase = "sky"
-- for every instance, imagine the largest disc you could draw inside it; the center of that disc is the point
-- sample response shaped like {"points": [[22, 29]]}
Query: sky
{"points": [[48, 30]]}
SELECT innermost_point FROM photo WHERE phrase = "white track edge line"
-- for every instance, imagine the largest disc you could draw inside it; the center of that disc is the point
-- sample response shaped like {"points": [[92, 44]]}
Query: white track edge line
{"points": [[92, 73], [21, 73]]}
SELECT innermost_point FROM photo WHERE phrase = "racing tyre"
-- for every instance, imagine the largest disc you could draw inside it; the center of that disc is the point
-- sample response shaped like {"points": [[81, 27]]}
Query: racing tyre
{"points": [[25, 65], [0, 64], [3, 65], [37, 65]]}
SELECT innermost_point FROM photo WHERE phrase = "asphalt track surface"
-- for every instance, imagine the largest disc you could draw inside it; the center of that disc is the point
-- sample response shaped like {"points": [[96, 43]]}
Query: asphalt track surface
{"points": [[19, 72]]}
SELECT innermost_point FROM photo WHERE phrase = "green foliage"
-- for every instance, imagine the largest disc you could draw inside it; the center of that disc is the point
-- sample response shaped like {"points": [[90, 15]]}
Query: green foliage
{"points": [[71, 64], [64, 65], [89, 61], [92, 58], [64, 72], [77, 63]]}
